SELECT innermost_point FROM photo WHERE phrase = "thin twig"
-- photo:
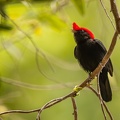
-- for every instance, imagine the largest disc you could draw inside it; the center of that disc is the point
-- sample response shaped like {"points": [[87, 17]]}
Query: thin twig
{"points": [[107, 14], [100, 98], [97, 94], [47, 105], [107, 110], [116, 15], [75, 108]]}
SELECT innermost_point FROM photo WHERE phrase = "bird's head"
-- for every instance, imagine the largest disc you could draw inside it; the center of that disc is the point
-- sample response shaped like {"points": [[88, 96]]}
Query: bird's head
{"points": [[81, 34]]}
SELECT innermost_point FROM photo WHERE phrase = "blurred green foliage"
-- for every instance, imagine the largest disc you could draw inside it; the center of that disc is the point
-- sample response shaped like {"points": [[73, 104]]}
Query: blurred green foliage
{"points": [[37, 62]]}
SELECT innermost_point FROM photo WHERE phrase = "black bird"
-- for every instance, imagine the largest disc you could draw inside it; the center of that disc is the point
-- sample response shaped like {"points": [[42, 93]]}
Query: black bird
{"points": [[89, 52]]}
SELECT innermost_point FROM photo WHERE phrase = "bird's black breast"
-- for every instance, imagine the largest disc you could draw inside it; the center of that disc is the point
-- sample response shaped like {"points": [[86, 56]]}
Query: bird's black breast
{"points": [[89, 54]]}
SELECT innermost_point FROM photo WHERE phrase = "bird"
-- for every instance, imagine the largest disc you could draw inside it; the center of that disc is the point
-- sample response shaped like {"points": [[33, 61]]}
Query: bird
{"points": [[89, 52]]}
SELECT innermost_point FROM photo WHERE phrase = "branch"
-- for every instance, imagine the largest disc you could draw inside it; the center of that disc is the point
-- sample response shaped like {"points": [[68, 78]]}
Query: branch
{"points": [[116, 15], [75, 108], [100, 98], [107, 14], [47, 105]]}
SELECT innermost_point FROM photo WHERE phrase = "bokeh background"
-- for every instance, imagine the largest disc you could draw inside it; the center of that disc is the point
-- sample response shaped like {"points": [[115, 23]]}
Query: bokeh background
{"points": [[37, 62]]}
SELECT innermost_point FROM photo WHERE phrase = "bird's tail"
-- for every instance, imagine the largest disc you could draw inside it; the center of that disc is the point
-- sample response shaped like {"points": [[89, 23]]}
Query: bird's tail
{"points": [[105, 88]]}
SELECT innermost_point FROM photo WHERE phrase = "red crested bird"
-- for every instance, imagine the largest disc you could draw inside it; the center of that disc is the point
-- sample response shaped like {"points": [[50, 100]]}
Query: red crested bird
{"points": [[89, 52]]}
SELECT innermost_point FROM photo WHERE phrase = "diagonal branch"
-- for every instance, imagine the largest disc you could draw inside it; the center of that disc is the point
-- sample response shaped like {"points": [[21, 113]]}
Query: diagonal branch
{"points": [[103, 62]]}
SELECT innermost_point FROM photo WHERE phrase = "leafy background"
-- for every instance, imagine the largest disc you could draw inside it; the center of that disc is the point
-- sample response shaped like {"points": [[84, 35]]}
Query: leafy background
{"points": [[37, 62]]}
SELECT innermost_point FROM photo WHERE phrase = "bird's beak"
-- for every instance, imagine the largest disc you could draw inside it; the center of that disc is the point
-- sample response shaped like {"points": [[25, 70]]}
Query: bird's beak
{"points": [[73, 31]]}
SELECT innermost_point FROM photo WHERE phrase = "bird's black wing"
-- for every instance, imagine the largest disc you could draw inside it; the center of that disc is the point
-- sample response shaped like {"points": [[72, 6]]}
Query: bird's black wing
{"points": [[75, 55], [103, 49]]}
